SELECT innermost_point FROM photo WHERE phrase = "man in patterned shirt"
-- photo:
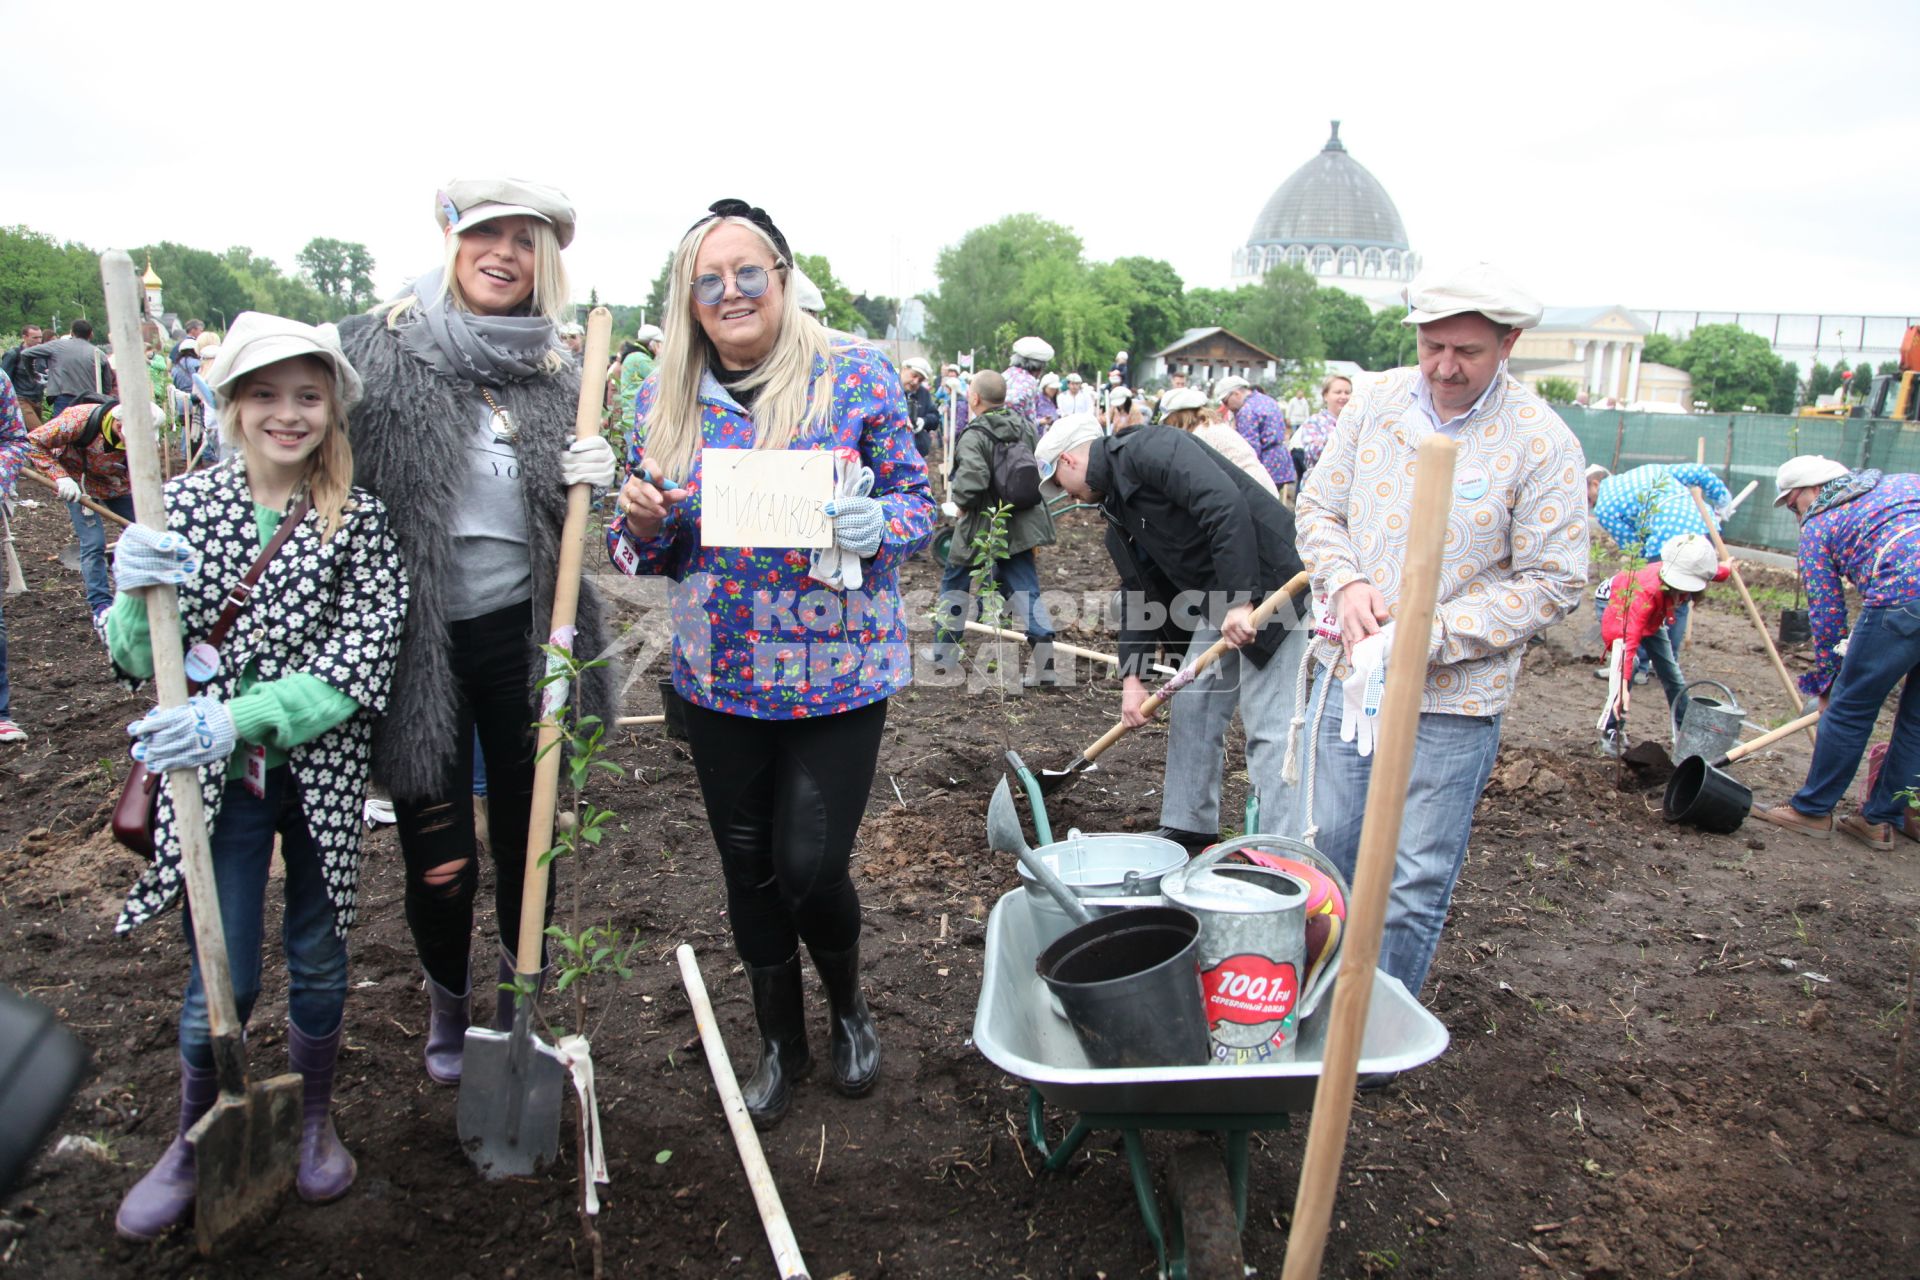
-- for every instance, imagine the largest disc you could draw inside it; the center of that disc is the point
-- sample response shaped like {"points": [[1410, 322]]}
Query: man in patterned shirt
{"points": [[1861, 527], [1515, 562], [1257, 417]]}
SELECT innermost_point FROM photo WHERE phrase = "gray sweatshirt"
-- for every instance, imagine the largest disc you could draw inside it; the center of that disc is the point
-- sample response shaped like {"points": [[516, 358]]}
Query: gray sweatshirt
{"points": [[70, 366]]}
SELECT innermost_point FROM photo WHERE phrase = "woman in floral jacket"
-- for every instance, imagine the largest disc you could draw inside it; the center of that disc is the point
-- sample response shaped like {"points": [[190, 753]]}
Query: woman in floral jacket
{"points": [[281, 728], [784, 657]]}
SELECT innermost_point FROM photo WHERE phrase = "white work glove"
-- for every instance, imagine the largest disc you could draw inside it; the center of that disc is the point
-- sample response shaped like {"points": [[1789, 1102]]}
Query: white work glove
{"points": [[1360, 691], [68, 488], [858, 521], [149, 558], [198, 731], [949, 510], [1724, 510], [588, 462]]}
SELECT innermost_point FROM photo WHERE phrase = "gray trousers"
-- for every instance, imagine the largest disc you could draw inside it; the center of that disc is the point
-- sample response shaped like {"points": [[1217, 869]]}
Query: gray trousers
{"points": [[1197, 732]]}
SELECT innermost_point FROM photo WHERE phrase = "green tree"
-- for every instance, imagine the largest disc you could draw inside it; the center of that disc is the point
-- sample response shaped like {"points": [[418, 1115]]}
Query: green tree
{"points": [[841, 313], [199, 284], [1346, 325], [1730, 367], [1557, 390], [657, 293], [1660, 349], [997, 276], [877, 313], [341, 270], [43, 281], [1785, 397], [1283, 315], [1821, 381], [1391, 345], [1155, 315], [1075, 309], [1210, 308]]}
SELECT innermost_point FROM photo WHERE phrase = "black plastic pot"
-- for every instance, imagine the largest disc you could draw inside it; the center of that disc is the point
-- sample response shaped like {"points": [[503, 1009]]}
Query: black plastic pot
{"points": [[1130, 985], [1699, 795], [1795, 627]]}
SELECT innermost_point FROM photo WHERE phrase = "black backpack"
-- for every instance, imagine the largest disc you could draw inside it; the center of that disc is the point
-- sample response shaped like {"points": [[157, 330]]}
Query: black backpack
{"points": [[1016, 474]]}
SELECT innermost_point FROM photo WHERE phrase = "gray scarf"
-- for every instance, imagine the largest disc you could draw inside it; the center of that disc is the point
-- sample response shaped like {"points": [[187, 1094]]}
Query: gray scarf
{"points": [[489, 350]]}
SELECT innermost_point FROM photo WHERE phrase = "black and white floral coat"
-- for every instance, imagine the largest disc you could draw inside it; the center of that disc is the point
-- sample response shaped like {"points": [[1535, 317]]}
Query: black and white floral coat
{"points": [[333, 611]]}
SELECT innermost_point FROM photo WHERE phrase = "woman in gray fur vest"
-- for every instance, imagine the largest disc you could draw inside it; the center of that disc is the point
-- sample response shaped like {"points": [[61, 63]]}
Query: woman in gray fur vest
{"points": [[466, 433]]}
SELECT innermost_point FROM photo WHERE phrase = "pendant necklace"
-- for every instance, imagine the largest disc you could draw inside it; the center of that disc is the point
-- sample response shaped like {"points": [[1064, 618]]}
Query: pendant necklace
{"points": [[502, 423]]}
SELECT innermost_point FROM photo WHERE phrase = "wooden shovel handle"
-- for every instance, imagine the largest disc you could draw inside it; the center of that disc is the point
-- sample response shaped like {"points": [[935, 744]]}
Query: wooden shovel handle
{"points": [[566, 605], [1768, 738], [1155, 701], [169, 668], [85, 501], [1373, 870], [1753, 610]]}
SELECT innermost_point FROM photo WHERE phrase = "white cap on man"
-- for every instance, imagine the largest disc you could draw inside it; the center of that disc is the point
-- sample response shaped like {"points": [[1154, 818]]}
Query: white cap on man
{"points": [[1228, 385], [1809, 470], [1183, 398], [1476, 286], [1597, 472], [1074, 431], [1032, 348]]}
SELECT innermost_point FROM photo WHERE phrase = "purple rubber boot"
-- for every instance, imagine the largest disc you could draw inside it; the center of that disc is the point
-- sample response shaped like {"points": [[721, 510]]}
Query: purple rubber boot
{"points": [[326, 1166], [446, 1031], [163, 1199]]}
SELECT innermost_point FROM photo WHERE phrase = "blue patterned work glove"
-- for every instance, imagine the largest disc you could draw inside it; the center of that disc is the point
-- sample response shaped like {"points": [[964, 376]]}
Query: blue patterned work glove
{"points": [[857, 524], [200, 731], [150, 558]]}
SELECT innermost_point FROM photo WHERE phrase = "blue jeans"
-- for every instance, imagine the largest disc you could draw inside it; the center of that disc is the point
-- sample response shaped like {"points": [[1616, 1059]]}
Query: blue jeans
{"points": [[1453, 755], [1884, 650], [1662, 652], [242, 843], [1019, 578], [91, 530]]}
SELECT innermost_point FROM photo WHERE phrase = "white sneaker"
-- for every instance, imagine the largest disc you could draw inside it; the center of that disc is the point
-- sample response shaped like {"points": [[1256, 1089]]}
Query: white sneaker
{"points": [[11, 732]]}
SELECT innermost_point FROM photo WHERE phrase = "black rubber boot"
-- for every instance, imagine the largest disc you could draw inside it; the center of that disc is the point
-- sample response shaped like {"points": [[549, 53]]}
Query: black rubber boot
{"points": [[856, 1041], [784, 1057]]}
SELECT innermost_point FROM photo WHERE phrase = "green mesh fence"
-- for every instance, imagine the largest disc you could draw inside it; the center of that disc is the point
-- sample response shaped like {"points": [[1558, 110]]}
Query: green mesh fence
{"points": [[1742, 447]]}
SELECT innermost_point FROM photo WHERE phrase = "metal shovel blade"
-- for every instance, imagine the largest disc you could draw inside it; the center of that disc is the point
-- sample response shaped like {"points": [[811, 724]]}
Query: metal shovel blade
{"points": [[69, 556], [512, 1085], [1051, 780], [246, 1151]]}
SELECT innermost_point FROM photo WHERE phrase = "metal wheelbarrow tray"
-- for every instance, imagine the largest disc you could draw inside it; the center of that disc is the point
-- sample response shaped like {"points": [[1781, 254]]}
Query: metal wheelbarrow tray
{"points": [[1016, 1027]]}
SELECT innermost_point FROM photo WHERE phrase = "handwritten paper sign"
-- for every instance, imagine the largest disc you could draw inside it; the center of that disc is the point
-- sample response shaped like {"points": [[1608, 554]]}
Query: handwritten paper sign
{"points": [[765, 497]]}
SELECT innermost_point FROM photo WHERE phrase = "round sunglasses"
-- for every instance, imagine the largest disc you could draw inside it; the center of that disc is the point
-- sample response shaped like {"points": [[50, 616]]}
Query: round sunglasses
{"points": [[751, 281]]}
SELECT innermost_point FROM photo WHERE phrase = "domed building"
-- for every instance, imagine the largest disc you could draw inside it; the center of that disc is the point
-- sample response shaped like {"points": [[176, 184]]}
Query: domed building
{"points": [[1336, 220]]}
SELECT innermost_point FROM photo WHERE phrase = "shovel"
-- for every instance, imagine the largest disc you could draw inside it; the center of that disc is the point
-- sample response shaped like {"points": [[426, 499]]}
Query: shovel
{"points": [[512, 1084], [1051, 780], [246, 1148], [1699, 795]]}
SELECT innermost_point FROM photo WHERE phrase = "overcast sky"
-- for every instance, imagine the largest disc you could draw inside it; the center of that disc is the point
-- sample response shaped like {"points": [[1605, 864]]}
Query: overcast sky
{"points": [[1756, 156]]}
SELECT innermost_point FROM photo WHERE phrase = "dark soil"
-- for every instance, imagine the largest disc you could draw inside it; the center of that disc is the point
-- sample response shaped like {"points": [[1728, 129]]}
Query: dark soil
{"points": [[1673, 1053]]}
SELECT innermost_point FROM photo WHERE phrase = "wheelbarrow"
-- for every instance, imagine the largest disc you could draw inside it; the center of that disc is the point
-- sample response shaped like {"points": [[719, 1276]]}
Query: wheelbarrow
{"points": [[1018, 1029]]}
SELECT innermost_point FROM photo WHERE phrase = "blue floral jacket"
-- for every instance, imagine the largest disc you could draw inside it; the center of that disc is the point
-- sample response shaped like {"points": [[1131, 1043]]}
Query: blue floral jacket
{"points": [[753, 634], [1863, 528]]}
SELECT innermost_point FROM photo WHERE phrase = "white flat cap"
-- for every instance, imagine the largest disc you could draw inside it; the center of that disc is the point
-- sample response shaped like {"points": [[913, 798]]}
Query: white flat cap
{"points": [[1596, 471], [1031, 348], [1074, 431], [258, 340], [920, 366], [467, 202], [1803, 472], [1228, 385], [1183, 398], [1477, 286]]}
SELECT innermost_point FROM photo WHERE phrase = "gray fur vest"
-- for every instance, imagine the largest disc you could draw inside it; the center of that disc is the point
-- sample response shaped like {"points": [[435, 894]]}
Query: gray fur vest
{"points": [[409, 436]]}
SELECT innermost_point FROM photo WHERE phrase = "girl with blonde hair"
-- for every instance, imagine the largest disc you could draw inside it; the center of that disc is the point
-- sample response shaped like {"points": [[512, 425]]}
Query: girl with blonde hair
{"points": [[785, 657], [288, 686]]}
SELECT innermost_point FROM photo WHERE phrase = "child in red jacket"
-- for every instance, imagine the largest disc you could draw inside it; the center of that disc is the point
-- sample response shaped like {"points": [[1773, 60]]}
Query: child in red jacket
{"points": [[1640, 608]]}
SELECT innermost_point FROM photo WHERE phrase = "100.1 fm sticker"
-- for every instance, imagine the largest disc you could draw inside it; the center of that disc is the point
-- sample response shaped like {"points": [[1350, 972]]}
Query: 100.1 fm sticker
{"points": [[1250, 1003]]}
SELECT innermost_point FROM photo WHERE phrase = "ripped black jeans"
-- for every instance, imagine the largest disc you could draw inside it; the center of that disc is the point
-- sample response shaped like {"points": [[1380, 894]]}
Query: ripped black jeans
{"points": [[491, 673], [784, 799]]}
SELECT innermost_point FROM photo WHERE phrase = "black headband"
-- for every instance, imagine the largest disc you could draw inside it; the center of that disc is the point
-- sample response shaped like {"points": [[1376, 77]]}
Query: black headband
{"points": [[731, 208]]}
